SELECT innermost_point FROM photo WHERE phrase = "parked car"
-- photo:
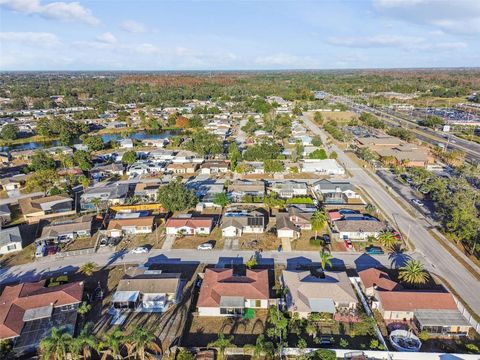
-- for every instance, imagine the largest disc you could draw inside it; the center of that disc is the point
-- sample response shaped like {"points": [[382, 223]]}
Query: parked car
{"points": [[348, 243], [205, 246], [374, 250], [325, 340], [140, 250], [326, 239], [417, 202]]}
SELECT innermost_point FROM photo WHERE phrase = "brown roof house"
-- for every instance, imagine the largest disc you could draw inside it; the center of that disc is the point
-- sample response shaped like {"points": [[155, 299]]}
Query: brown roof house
{"points": [[36, 209], [143, 290], [314, 291], [28, 311], [224, 294], [433, 311]]}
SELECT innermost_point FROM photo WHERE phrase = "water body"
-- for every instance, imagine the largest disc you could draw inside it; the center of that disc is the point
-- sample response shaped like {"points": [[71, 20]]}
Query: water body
{"points": [[139, 135]]}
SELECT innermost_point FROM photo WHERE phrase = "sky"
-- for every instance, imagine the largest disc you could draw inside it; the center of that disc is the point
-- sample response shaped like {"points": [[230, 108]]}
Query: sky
{"points": [[238, 34]]}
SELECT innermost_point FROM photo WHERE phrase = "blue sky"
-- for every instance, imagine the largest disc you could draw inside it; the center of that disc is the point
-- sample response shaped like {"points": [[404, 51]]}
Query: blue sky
{"points": [[237, 34]]}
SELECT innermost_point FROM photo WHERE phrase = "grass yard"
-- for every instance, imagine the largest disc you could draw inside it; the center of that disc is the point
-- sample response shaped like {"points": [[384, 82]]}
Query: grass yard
{"points": [[203, 330], [338, 116], [81, 243], [191, 242], [154, 240]]}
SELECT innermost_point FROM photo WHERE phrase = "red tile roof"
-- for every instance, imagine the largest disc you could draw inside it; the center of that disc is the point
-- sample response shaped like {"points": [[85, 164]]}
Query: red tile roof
{"points": [[15, 300], [372, 276], [189, 222], [415, 300], [222, 282]]}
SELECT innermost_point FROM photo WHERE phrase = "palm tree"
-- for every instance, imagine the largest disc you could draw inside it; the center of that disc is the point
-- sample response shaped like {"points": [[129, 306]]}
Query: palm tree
{"points": [[88, 268], [111, 345], [413, 273], [221, 344], [55, 346], [84, 308], [261, 348], [83, 344], [387, 239], [96, 202], [141, 340], [318, 221], [325, 258]]}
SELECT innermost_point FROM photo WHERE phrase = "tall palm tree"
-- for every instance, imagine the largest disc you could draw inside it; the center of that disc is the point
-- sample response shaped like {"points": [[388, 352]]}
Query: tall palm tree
{"points": [[96, 202], [82, 345], [88, 268], [318, 221], [262, 348], [221, 344], [387, 239], [325, 258], [413, 273], [141, 340], [55, 346], [111, 345]]}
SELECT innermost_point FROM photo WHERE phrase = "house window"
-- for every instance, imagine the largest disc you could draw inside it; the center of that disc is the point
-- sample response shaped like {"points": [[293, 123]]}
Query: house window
{"points": [[11, 247]]}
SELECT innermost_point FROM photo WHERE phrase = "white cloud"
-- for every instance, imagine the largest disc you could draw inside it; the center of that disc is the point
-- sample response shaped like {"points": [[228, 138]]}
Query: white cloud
{"points": [[133, 26], [375, 41], [456, 17], [62, 11], [283, 60], [40, 39], [107, 38]]}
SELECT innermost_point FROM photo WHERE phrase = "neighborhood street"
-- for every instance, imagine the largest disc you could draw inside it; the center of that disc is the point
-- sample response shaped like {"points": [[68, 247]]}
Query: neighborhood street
{"points": [[437, 259]]}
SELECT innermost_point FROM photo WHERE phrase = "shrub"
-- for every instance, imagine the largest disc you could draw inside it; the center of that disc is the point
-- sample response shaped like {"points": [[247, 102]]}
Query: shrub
{"points": [[472, 348], [316, 242], [343, 343], [424, 336]]}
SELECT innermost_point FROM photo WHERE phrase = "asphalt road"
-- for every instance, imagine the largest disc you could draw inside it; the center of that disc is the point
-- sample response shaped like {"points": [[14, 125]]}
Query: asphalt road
{"points": [[435, 257]]}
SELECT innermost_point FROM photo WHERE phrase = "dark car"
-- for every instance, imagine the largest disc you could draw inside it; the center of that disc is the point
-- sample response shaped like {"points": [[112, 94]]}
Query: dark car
{"points": [[374, 250], [326, 239]]}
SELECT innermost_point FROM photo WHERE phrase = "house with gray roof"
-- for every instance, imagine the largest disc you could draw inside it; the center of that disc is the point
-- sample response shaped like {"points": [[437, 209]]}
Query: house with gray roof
{"points": [[10, 240], [337, 192], [108, 194]]}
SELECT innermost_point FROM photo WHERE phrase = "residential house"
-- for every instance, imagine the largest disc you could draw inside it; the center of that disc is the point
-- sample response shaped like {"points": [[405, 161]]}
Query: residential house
{"points": [[214, 167], [10, 240], [182, 168], [240, 188], [316, 291], [35, 209], [322, 167], [13, 183], [30, 310], [358, 230], [236, 223], [286, 228], [374, 279], [103, 171], [289, 189], [301, 214], [337, 192], [126, 144], [143, 290], [107, 195], [68, 230], [5, 215], [158, 143], [189, 225], [147, 191], [223, 293], [131, 226]]}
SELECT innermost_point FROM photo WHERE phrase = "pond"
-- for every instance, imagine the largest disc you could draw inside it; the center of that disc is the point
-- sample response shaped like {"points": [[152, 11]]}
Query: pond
{"points": [[139, 135]]}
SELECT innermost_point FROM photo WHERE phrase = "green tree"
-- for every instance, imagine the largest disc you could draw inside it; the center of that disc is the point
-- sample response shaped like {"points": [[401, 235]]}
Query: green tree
{"points": [[140, 341], [318, 117], [273, 166], [88, 268], [5, 348], [221, 199], [84, 308], [93, 142], [129, 157], [55, 346], [234, 155], [41, 161], [333, 155], [221, 344], [42, 180], [272, 200], [365, 327], [317, 141], [413, 273], [111, 345], [83, 160], [387, 239], [82, 345], [184, 354], [252, 262], [318, 221], [9, 132], [323, 354], [262, 348], [319, 154], [176, 197], [325, 258], [204, 143]]}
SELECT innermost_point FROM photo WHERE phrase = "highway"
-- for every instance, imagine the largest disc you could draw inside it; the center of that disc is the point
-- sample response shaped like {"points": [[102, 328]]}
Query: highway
{"points": [[471, 149], [435, 258]]}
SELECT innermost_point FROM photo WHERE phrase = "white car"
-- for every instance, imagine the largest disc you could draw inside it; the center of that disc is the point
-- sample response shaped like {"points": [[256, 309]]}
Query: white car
{"points": [[140, 250], [417, 202], [205, 246]]}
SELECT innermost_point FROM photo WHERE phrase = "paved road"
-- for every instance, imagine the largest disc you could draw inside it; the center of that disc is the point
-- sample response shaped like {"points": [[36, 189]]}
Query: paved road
{"points": [[44, 267], [436, 258]]}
